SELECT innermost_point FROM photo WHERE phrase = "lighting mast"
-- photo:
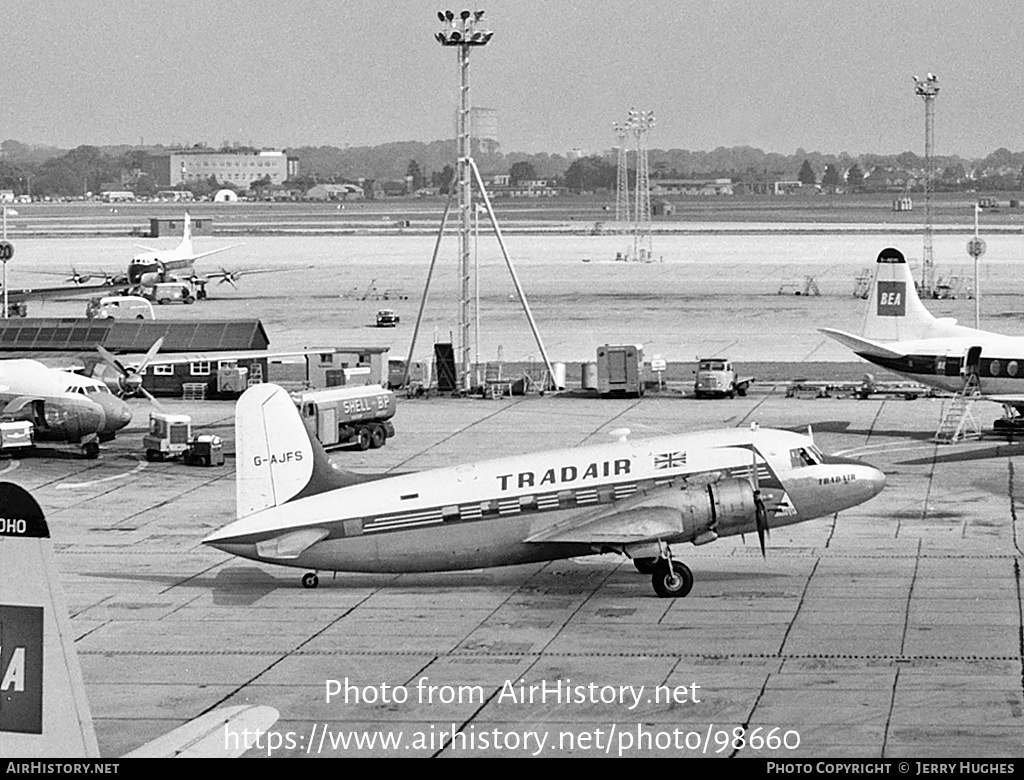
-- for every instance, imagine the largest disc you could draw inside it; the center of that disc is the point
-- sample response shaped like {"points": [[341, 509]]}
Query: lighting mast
{"points": [[641, 122], [928, 88], [463, 33], [622, 178]]}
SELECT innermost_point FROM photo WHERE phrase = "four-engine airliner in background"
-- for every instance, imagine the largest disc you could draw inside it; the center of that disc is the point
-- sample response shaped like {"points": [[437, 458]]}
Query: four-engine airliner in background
{"points": [[900, 334], [637, 498]]}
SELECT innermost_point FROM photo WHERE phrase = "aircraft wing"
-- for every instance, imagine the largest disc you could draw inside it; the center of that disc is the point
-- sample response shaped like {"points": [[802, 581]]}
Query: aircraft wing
{"points": [[1010, 399], [44, 293], [647, 515], [860, 344], [223, 275]]}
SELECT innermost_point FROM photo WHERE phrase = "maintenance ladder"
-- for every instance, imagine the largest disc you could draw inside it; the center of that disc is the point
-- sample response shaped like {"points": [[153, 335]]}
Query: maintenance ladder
{"points": [[959, 422]]}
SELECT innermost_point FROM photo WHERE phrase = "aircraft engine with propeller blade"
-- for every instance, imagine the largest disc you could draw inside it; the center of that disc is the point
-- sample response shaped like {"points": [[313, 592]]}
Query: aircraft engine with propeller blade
{"points": [[128, 379], [632, 497]]}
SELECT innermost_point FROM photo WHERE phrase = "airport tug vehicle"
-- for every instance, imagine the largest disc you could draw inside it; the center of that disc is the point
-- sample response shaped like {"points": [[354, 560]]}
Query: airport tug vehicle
{"points": [[16, 436], [170, 436]]}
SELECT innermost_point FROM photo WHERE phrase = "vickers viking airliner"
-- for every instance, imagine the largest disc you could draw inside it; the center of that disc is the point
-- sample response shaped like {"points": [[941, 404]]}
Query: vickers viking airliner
{"points": [[43, 709], [632, 497], [902, 335]]}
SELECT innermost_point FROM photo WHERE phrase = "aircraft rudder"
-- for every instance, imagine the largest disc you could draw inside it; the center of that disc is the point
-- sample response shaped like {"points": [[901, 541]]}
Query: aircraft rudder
{"points": [[895, 311], [43, 709], [277, 458]]}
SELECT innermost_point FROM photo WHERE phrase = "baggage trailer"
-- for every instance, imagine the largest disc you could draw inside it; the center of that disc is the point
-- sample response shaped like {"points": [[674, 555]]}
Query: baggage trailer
{"points": [[348, 415]]}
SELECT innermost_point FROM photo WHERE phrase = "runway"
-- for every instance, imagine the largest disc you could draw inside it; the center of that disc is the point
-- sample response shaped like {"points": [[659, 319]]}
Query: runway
{"points": [[893, 630]]}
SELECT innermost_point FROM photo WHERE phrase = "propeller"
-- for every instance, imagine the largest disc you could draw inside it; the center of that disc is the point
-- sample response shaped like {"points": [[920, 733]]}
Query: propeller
{"points": [[760, 510], [228, 276], [130, 381]]}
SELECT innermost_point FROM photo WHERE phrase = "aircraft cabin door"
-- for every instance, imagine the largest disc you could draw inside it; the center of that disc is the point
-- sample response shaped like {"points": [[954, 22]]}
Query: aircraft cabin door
{"points": [[972, 363]]}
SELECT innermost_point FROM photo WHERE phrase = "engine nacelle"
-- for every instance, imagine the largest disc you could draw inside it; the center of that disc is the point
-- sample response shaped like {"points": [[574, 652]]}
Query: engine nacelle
{"points": [[734, 507], [726, 507]]}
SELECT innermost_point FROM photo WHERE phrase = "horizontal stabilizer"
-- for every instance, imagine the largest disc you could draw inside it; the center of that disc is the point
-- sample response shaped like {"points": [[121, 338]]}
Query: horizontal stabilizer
{"points": [[290, 546], [225, 733], [861, 345]]}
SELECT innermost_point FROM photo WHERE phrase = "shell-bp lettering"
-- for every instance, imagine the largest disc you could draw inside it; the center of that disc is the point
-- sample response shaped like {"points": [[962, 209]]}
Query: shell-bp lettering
{"points": [[293, 456]]}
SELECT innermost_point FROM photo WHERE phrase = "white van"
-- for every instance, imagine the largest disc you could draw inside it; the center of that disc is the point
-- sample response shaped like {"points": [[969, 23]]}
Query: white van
{"points": [[119, 307]]}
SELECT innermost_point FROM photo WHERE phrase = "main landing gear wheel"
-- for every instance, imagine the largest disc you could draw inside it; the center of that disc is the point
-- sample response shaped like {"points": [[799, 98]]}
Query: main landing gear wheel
{"points": [[310, 580], [645, 565], [91, 449], [671, 582]]}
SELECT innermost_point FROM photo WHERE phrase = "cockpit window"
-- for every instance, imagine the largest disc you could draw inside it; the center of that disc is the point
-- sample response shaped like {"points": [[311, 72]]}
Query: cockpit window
{"points": [[804, 456]]}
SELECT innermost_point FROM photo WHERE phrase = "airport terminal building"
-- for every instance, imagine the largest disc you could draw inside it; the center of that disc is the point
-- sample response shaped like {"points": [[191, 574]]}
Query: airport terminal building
{"points": [[239, 167]]}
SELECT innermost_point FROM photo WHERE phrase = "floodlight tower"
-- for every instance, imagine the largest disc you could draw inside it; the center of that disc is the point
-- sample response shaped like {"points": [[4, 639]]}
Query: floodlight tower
{"points": [[641, 122], [463, 33], [928, 88], [622, 179]]}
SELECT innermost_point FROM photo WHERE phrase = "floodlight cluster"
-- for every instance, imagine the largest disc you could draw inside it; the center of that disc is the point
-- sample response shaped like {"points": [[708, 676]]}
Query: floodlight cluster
{"points": [[928, 86], [466, 29]]}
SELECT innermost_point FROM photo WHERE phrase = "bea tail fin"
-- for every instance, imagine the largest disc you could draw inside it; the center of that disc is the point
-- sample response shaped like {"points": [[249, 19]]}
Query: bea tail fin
{"points": [[185, 247], [43, 709], [277, 459], [895, 312]]}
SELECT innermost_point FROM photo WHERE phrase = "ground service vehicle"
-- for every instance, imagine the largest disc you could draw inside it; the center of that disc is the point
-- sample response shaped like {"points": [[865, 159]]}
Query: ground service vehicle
{"points": [[170, 436], [119, 307], [348, 415], [386, 318], [716, 376], [16, 436], [169, 292]]}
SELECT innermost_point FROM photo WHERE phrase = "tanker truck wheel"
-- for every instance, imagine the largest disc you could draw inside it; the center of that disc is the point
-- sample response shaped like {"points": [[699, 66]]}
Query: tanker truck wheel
{"points": [[377, 436], [363, 439]]}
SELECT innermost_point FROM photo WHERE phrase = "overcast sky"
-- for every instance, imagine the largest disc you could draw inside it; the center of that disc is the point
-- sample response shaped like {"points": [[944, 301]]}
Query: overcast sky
{"points": [[780, 75]]}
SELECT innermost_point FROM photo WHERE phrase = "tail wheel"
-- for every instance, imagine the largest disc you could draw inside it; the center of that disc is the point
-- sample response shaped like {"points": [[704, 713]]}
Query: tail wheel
{"points": [[378, 436], [673, 581], [363, 439]]}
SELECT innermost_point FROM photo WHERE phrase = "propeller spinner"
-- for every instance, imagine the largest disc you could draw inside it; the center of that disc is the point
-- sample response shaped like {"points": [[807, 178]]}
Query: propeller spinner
{"points": [[130, 377]]}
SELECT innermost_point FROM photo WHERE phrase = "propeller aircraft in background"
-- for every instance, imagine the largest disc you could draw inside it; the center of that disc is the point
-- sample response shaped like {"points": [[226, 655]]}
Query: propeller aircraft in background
{"points": [[900, 334], [635, 498]]}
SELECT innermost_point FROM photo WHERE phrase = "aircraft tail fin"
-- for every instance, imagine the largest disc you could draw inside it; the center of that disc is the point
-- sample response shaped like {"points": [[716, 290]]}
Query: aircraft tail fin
{"points": [[276, 458], [185, 247], [895, 312], [43, 709]]}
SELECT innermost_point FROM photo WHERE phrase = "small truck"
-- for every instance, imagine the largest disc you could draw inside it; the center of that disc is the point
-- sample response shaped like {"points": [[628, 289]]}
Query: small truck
{"points": [[717, 377], [359, 415], [170, 436]]}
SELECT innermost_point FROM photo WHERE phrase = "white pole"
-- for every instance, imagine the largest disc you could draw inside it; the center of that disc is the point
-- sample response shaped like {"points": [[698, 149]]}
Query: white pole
{"points": [[977, 287], [5, 265]]}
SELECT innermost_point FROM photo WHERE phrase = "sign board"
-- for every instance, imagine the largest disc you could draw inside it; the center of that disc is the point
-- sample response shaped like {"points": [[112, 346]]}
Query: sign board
{"points": [[976, 247], [658, 363], [6, 251]]}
